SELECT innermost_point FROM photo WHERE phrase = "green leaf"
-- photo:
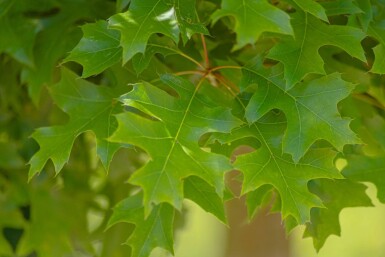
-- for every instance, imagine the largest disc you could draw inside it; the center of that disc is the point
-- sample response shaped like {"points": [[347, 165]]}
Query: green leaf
{"points": [[5, 5], [98, 50], [18, 37], [268, 165], [91, 108], [300, 54], [366, 17], [188, 20], [367, 169], [141, 61], [310, 108], [205, 196], [67, 218], [379, 61], [325, 221], [340, 7], [147, 17], [253, 18], [154, 231], [257, 199], [171, 139], [313, 8], [377, 31], [9, 157]]}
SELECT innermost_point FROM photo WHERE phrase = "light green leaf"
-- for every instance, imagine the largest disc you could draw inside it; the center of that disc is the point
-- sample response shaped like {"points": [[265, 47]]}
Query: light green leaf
{"points": [[268, 165], [154, 231], [336, 195], [205, 196], [91, 108], [313, 8], [171, 139], [147, 17], [367, 169], [253, 17], [257, 199], [300, 54], [98, 49], [310, 109]]}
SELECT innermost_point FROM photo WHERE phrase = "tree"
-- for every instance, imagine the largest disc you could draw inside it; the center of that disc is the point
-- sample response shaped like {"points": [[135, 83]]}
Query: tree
{"points": [[160, 93]]}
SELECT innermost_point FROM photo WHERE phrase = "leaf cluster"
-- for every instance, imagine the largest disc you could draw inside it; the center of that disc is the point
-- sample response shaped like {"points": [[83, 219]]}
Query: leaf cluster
{"points": [[179, 86]]}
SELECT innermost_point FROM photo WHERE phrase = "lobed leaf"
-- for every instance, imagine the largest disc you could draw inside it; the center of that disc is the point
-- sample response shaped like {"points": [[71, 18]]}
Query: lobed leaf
{"points": [[267, 165], [253, 18], [98, 50], [310, 109], [171, 139], [147, 17], [154, 231], [325, 221], [300, 56], [91, 108]]}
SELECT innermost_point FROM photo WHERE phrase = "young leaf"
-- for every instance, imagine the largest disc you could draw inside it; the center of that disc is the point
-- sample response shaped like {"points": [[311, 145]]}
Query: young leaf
{"points": [[300, 54], [97, 50], [171, 139], [154, 231], [253, 18], [336, 195], [90, 108], [310, 109]]}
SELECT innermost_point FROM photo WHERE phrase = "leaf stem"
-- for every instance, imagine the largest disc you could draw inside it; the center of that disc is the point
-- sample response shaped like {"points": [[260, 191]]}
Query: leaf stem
{"points": [[181, 54], [226, 67], [205, 52], [230, 86]]}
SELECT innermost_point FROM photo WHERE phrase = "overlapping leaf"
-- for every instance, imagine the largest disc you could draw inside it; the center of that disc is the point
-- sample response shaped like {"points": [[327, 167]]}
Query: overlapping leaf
{"points": [[268, 165], [171, 140], [336, 195], [253, 18], [310, 108], [91, 108], [341, 7], [154, 231], [18, 35], [300, 54], [367, 169], [98, 49], [147, 17], [378, 32], [313, 8]]}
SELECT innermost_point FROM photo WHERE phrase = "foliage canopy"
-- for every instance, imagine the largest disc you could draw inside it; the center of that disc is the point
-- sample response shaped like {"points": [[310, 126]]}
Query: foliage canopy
{"points": [[160, 93]]}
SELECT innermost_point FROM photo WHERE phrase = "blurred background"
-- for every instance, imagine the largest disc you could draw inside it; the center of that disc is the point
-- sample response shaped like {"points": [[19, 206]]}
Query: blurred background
{"points": [[362, 230]]}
